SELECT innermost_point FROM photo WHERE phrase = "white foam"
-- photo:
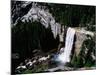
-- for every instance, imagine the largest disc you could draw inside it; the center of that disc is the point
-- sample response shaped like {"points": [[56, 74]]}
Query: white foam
{"points": [[65, 56]]}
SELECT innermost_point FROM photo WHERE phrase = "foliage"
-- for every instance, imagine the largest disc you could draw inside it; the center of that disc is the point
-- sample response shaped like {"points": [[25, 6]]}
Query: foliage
{"points": [[73, 15], [84, 59], [29, 36]]}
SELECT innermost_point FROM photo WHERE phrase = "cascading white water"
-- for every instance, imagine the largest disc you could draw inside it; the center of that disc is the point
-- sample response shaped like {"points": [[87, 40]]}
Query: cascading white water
{"points": [[64, 56]]}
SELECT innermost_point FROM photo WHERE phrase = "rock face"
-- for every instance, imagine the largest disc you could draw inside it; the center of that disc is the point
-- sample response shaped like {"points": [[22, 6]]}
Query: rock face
{"points": [[80, 37], [27, 38], [30, 12], [84, 49], [19, 9]]}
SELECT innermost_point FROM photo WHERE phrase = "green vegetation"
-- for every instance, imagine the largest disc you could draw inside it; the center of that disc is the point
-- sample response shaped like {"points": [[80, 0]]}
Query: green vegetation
{"points": [[73, 15], [29, 36], [84, 59]]}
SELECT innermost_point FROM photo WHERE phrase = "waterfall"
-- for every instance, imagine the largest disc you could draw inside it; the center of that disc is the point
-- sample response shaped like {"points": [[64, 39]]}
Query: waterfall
{"points": [[64, 55]]}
